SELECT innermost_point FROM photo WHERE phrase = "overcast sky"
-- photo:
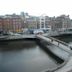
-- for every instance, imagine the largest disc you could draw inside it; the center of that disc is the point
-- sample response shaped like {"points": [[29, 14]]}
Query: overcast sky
{"points": [[37, 7]]}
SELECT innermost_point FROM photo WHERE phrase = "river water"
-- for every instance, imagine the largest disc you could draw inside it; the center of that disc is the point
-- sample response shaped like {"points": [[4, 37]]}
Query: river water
{"points": [[25, 56], [65, 38]]}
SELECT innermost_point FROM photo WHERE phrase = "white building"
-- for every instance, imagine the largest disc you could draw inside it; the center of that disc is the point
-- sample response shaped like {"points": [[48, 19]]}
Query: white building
{"points": [[44, 22]]}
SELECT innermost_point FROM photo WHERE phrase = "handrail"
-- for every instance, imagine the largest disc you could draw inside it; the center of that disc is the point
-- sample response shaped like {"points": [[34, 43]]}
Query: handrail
{"points": [[59, 41], [62, 42]]}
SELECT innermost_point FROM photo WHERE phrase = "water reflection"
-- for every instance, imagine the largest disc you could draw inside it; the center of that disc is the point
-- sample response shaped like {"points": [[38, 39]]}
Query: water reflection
{"points": [[18, 45]]}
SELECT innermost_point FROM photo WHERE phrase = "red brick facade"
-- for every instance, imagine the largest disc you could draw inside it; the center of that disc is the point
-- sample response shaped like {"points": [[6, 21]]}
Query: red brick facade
{"points": [[1, 24], [12, 23]]}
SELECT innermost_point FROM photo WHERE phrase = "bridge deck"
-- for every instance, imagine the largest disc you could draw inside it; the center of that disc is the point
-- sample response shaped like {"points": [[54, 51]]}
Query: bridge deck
{"points": [[56, 42]]}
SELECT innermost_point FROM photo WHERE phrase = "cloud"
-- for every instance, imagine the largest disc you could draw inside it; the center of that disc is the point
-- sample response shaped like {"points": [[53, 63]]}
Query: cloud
{"points": [[36, 7]]}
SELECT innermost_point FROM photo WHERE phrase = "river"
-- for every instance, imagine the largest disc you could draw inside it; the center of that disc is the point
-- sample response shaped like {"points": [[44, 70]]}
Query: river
{"points": [[65, 38], [24, 56]]}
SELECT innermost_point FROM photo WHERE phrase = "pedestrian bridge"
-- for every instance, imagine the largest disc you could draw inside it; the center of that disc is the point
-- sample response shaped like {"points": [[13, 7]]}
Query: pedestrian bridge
{"points": [[56, 42]]}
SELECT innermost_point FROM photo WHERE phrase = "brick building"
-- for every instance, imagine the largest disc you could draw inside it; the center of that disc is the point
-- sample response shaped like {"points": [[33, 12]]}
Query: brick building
{"points": [[60, 23], [12, 23], [16, 23], [31, 23], [1, 24]]}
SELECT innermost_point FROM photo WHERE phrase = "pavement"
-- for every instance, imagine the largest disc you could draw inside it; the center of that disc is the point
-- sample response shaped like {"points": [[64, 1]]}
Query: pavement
{"points": [[67, 67]]}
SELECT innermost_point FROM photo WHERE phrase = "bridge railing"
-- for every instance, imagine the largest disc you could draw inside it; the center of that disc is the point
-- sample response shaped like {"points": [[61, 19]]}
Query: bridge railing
{"points": [[62, 42]]}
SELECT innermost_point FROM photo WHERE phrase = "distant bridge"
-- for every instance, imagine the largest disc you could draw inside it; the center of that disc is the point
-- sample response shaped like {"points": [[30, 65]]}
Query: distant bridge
{"points": [[15, 37]]}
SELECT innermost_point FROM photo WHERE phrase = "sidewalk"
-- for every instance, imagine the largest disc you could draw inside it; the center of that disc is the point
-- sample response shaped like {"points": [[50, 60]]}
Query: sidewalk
{"points": [[67, 67]]}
